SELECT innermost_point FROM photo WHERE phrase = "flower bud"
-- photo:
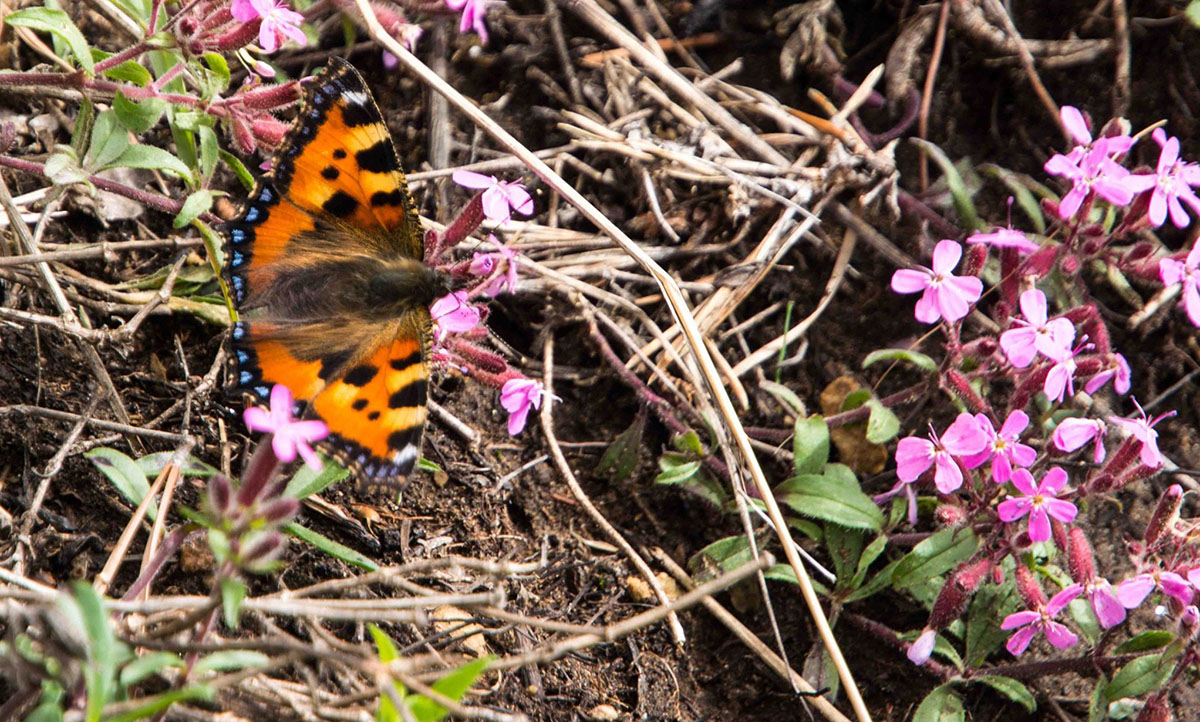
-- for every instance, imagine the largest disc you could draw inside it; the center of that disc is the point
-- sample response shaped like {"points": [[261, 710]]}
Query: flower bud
{"points": [[242, 136], [997, 574], [1155, 710], [1029, 588], [269, 131], [271, 97], [1164, 514], [950, 515], [220, 495], [1080, 560], [952, 601], [1059, 533], [1070, 265], [262, 550], [1189, 620], [1042, 261], [976, 255], [280, 510]]}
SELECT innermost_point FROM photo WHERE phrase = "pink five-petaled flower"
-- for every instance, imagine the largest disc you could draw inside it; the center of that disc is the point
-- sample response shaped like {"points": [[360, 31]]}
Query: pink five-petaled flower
{"points": [[517, 396], [1186, 272], [944, 295], [915, 455], [1029, 622], [278, 20], [1005, 238], [1118, 369], [1040, 502], [1142, 429], [1073, 121], [1035, 334], [1004, 447], [482, 264], [1108, 608], [291, 437], [1072, 433], [1171, 181], [473, 13], [500, 198], [452, 313], [1134, 590], [1092, 170]]}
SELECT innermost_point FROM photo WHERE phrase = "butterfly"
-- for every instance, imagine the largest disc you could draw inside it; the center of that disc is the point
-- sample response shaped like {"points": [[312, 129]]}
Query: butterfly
{"points": [[325, 266]]}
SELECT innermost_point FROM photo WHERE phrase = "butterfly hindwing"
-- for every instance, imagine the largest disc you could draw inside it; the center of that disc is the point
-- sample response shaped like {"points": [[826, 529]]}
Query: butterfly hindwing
{"points": [[333, 214]]}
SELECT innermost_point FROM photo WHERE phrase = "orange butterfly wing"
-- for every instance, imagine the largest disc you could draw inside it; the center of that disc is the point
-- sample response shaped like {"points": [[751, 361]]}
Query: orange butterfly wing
{"points": [[335, 202]]}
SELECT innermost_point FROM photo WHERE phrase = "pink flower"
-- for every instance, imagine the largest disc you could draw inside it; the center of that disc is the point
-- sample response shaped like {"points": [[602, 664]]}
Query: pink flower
{"points": [[1108, 608], [1193, 577], [1035, 334], [1172, 272], [1072, 433], [473, 13], [453, 314], [922, 647], [1093, 170], [1119, 369], [1003, 448], [1073, 121], [1005, 238], [1029, 622], [482, 264], [1060, 380], [278, 21], [498, 196], [290, 437], [1142, 429], [915, 455], [944, 295], [517, 396], [1040, 502], [1171, 181], [1134, 590]]}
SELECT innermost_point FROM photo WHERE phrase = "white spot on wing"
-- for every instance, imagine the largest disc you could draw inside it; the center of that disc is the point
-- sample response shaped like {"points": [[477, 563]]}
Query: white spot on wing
{"points": [[404, 457], [354, 97]]}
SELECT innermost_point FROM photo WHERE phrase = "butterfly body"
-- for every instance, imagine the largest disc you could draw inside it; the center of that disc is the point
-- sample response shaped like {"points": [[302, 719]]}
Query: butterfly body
{"points": [[325, 265]]}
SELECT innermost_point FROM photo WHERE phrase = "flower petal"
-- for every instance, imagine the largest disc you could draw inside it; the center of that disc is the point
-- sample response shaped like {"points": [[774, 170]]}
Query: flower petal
{"points": [[1133, 591], [946, 255], [907, 280]]}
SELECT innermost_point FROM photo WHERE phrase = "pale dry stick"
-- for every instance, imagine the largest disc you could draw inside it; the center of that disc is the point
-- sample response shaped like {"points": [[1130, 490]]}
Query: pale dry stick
{"points": [[655, 208], [752, 642], [130, 327], [771, 348], [593, 14], [27, 410], [117, 556], [26, 590], [158, 529], [97, 250], [452, 422], [342, 609], [678, 307], [1043, 95], [52, 469], [1164, 296], [397, 575], [29, 242], [577, 491], [625, 627], [1122, 92], [58, 323], [735, 384]]}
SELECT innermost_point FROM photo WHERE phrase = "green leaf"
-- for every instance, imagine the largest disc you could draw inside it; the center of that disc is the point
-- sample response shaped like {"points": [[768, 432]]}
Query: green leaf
{"points": [[454, 685], [845, 548], [1152, 639], [46, 712], [1097, 704], [307, 482], [1142, 675], [988, 609], [147, 665], [1012, 689], [882, 425], [810, 445], [330, 547], [689, 443], [935, 556], [199, 202], [147, 157], [676, 469], [63, 169], [216, 63], [940, 705], [231, 659], [726, 554], [208, 151], [920, 360], [152, 465], [59, 24], [383, 643], [621, 456], [954, 181], [868, 557], [233, 593], [239, 169], [109, 140], [131, 72], [829, 497], [125, 474], [138, 116]]}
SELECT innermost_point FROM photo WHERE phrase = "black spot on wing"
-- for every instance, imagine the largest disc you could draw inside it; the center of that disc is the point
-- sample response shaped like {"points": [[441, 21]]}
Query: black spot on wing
{"points": [[330, 363], [414, 394], [355, 114], [340, 204], [400, 364], [329, 173], [398, 440], [339, 153], [359, 404], [390, 198], [373, 416], [379, 158], [360, 375]]}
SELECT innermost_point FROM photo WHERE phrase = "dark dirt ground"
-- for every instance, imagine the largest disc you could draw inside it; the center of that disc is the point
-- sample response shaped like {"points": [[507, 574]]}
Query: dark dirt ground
{"points": [[978, 110]]}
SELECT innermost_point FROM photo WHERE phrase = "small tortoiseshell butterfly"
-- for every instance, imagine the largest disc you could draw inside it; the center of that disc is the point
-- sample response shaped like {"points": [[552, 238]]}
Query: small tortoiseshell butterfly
{"points": [[325, 263]]}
